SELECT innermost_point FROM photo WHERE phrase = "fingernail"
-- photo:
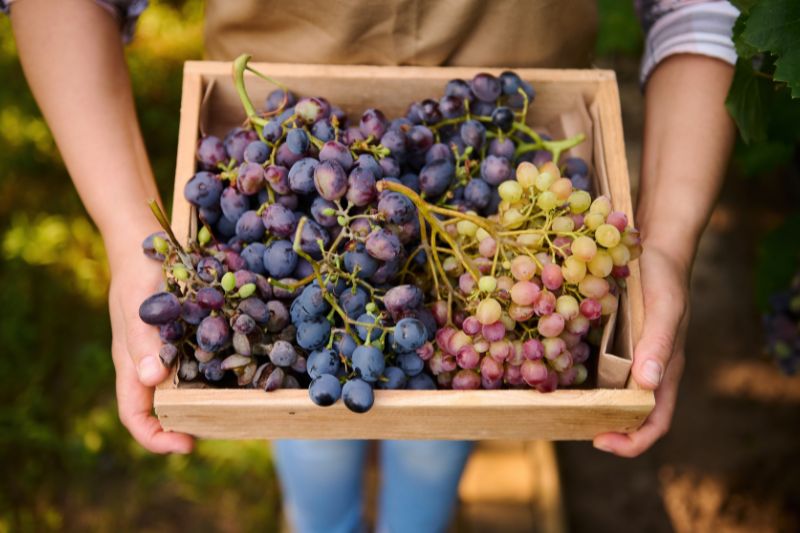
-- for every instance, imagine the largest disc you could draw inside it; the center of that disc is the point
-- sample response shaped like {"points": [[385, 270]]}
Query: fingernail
{"points": [[150, 369], [651, 371], [602, 447]]}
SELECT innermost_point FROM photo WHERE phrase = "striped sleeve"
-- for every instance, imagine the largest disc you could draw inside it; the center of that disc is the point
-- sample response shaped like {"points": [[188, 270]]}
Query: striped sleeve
{"points": [[127, 13], [672, 27]]}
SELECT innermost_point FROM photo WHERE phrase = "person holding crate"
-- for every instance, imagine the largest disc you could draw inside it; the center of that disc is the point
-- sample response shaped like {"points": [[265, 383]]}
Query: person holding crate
{"points": [[72, 56]]}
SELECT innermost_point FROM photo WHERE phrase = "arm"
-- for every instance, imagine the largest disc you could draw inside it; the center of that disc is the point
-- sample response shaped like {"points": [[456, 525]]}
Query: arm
{"points": [[72, 56], [687, 141]]}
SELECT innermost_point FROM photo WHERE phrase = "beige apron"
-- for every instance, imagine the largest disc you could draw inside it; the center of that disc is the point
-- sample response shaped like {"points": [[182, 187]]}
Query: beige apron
{"points": [[491, 33]]}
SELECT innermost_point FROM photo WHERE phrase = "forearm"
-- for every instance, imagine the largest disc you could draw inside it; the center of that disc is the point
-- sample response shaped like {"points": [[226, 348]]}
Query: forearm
{"points": [[687, 141], [73, 60]]}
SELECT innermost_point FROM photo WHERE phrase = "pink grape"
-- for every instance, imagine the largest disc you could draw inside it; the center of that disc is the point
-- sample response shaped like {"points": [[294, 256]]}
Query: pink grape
{"points": [[504, 284], [491, 368], [549, 384], [545, 303], [591, 308], [466, 283], [457, 341], [487, 247], [523, 268], [580, 353], [563, 361], [551, 325], [439, 311], [493, 332], [533, 372], [553, 346], [621, 271], [618, 219], [466, 380], [517, 355], [568, 376], [468, 358], [425, 352], [500, 350], [570, 339], [471, 325], [513, 375], [443, 336], [489, 383], [552, 277], [481, 345], [593, 287], [445, 380], [520, 313], [525, 292], [483, 264], [489, 311], [533, 349], [578, 325]]}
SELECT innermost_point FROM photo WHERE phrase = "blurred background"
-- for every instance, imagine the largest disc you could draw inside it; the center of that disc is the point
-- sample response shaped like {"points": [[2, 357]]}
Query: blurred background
{"points": [[728, 464]]}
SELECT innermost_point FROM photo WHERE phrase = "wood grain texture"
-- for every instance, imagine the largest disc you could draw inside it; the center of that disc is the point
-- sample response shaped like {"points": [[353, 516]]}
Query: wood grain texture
{"points": [[509, 414]]}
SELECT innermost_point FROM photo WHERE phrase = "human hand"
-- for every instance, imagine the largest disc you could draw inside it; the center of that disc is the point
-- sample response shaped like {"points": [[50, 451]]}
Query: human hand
{"points": [[659, 355], [134, 348]]}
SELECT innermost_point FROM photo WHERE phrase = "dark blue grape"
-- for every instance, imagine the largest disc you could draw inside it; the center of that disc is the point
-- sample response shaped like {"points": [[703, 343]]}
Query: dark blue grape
{"points": [[373, 123], [393, 378], [313, 238], [396, 208], [279, 259], [303, 269], [502, 148], [369, 362], [256, 152], [435, 177], [486, 87], [439, 151], [313, 300], [282, 354], [160, 308], [213, 370], [322, 362], [203, 190], [382, 244], [256, 308], [301, 176], [483, 109], [225, 228], [503, 118], [390, 167], [540, 157], [285, 157], [171, 331], [313, 333], [249, 227], [345, 345], [290, 201], [354, 303], [192, 313], [272, 131], [210, 298], [297, 141], [336, 151], [411, 363], [460, 89], [323, 130], [330, 180], [374, 332], [368, 162], [421, 381], [388, 270], [279, 220], [477, 194], [209, 215], [209, 269], [473, 133], [236, 142], [325, 390], [211, 152], [213, 334], [360, 260], [361, 186], [414, 113], [278, 99], [395, 142], [429, 111], [495, 170], [410, 334], [494, 203], [573, 166], [451, 106], [253, 256], [420, 139], [233, 204], [319, 208], [582, 182], [358, 395]]}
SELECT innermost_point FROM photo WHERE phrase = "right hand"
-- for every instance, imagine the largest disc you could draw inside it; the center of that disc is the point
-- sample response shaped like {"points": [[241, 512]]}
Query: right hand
{"points": [[134, 348]]}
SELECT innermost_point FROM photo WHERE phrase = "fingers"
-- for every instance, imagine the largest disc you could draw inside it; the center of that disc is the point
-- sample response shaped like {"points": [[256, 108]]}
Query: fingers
{"points": [[135, 404], [143, 345], [656, 425], [665, 307]]}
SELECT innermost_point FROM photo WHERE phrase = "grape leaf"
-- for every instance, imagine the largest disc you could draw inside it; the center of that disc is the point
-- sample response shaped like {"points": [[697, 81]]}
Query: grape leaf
{"points": [[743, 49], [778, 256], [774, 26], [748, 102]]}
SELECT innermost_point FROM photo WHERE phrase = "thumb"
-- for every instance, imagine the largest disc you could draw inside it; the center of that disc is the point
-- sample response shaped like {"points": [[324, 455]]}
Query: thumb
{"points": [[143, 345], [663, 315]]}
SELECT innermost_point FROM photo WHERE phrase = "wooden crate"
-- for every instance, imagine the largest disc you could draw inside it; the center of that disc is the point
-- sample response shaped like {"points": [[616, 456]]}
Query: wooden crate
{"points": [[210, 105]]}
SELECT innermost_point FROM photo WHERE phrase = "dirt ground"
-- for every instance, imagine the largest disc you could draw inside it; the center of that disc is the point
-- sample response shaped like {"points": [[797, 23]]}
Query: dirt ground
{"points": [[729, 463]]}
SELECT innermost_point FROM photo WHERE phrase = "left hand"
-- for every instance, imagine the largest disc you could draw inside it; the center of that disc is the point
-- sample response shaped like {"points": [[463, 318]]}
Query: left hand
{"points": [[659, 355]]}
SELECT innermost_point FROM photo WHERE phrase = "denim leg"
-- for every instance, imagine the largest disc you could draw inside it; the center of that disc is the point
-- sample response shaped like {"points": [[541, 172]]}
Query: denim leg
{"points": [[419, 484], [322, 483]]}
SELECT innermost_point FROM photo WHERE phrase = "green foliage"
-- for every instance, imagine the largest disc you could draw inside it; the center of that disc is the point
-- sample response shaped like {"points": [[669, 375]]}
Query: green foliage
{"points": [[619, 31], [778, 258]]}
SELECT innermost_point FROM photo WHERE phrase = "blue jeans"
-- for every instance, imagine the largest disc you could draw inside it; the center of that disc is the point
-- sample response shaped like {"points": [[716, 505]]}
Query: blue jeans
{"points": [[322, 484]]}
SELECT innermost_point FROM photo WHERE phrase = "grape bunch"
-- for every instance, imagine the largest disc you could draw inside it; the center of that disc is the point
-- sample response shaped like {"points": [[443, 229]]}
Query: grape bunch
{"points": [[443, 249], [782, 328]]}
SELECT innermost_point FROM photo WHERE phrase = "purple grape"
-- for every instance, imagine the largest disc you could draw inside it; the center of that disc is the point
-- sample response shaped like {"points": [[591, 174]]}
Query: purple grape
{"points": [[250, 178], [282, 354], [256, 308], [411, 181], [395, 141], [383, 244], [373, 123], [285, 157], [243, 277], [439, 151], [211, 152], [233, 204], [323, 130], [336, 151], [502, 148], [278, 99], [540, 157], [256, 152], [289, 201], [209, 215], [429, 111], [236, 142], [303, 269], [272, 131], [234, 261], [459, 89], [483, 109], [503, 118], [301, 176], [249, 227], [278, 179], [213, 370], [390, 167], [330, 180], [477, 194], [396, 208], [203, 190], [451, 106], [160, 308], [420, 139], [148, 248], [279, 259], [278, 316], [473, 133], [309, 239], [209, 269], [486, 87], [253, 256], [310, 110], [368, 162], [388, 270], [318, 208], [582, 182], [361, 261], [210, 298], [495, 170], [361, 186], [279, 220], [352, 135], [435, 177], [402, 298], [225, 228], [574, 165], [244, 324], [213, 334], [297, 141], [192, 312]]}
